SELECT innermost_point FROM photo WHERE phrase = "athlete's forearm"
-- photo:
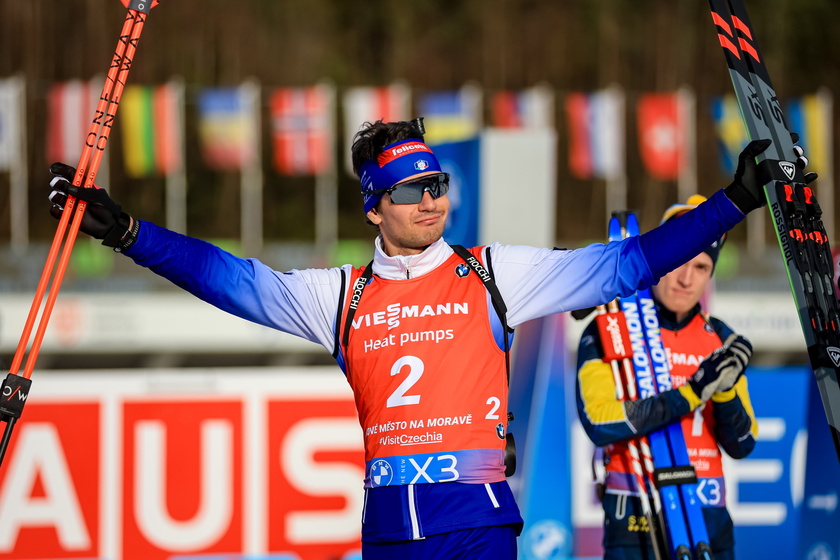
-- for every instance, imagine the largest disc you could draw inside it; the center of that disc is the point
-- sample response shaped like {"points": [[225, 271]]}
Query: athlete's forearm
{"points": [[302, 303]]}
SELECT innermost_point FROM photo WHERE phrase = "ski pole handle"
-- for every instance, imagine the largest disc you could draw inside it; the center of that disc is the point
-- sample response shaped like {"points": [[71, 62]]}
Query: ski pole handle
{"points": [[140, 5]]}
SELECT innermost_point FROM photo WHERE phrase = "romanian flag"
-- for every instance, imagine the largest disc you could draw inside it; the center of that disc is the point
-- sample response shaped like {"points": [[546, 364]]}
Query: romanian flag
{"points": [[302, 125], [152, 130], [227, 128]]}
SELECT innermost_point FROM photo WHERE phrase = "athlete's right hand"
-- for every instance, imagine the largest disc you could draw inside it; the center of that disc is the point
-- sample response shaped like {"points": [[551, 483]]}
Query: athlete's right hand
{"points": [[722, 369], [103, 218]]}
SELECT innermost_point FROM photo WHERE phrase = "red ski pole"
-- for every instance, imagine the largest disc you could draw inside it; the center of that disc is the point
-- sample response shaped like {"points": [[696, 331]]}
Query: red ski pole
{"points": [[15, 388]]}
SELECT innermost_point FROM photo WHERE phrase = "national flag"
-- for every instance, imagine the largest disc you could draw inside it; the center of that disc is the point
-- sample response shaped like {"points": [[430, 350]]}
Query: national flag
{"points": [[662, 141], [596, 133], [10, 122], [302, 130], [529, 108], [227, 128], [451, 116], [370, 104], [810, 117], [70, 113], [151, 128], [731, 133]]}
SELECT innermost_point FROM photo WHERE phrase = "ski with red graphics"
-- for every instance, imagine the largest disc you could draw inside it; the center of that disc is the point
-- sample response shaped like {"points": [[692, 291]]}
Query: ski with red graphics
{"points": [[793, 205]]}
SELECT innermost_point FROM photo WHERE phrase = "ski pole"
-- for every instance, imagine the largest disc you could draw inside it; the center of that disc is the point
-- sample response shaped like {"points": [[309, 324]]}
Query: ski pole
{"points": [[15, 388], [615, 341]]}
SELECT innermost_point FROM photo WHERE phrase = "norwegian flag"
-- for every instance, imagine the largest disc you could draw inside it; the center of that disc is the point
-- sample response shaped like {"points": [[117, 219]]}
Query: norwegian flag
{"points": [[302, 130]]}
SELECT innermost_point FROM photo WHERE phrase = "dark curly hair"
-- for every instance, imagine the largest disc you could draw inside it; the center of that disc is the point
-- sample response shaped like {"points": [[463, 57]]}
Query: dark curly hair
{"points": [[369, 141]]}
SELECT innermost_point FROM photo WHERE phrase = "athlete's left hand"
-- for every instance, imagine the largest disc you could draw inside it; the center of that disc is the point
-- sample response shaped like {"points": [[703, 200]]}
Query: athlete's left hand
{"points": [[722, 369]]}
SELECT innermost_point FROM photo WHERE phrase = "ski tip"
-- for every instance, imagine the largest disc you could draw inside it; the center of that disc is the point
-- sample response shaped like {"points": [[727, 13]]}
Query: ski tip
{"points": [[140, 5]]}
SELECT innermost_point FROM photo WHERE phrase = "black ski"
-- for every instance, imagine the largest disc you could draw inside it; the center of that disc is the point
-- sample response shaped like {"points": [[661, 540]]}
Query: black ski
{"points": [[793, 206]]}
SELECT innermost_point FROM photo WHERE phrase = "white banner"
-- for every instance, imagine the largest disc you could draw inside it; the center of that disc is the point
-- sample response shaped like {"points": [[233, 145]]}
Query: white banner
{"points": [[114, 323], [10, 122]]}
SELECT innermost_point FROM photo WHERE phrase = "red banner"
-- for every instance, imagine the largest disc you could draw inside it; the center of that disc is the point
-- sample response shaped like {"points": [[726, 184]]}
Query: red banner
{"points": [[50, 490], [155, 477], [661, 135]]}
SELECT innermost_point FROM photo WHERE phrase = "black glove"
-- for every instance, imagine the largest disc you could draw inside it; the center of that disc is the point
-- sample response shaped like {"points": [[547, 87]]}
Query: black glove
{"points": [[747, 191], [722, 369], [103, 219]]}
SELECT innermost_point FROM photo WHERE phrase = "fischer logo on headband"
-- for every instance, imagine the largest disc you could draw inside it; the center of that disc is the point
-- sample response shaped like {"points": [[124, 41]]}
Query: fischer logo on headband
{"points": [[389, 155], [396, 163]]}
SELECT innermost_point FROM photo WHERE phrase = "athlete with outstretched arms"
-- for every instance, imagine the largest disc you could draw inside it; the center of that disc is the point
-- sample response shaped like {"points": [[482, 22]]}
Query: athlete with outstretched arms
{"points": [[416, 332]]}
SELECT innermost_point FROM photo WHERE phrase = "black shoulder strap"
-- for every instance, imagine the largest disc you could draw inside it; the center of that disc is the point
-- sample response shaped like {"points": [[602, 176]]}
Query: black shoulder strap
{"points": [[486, 276], [339, 311], [355, 298]]}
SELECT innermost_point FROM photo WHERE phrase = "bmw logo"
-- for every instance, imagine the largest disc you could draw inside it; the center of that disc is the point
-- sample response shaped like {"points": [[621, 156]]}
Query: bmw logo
{"points": [[381, 473], [500, 430], [462, 270]]}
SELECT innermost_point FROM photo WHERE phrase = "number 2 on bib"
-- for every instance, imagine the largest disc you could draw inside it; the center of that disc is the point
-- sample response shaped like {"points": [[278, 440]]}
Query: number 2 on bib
{"points": [[415, 371]]}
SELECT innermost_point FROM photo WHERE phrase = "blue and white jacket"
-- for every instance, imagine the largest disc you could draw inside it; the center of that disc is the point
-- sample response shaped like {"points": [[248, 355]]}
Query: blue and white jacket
{"points": [[534, 282]]}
